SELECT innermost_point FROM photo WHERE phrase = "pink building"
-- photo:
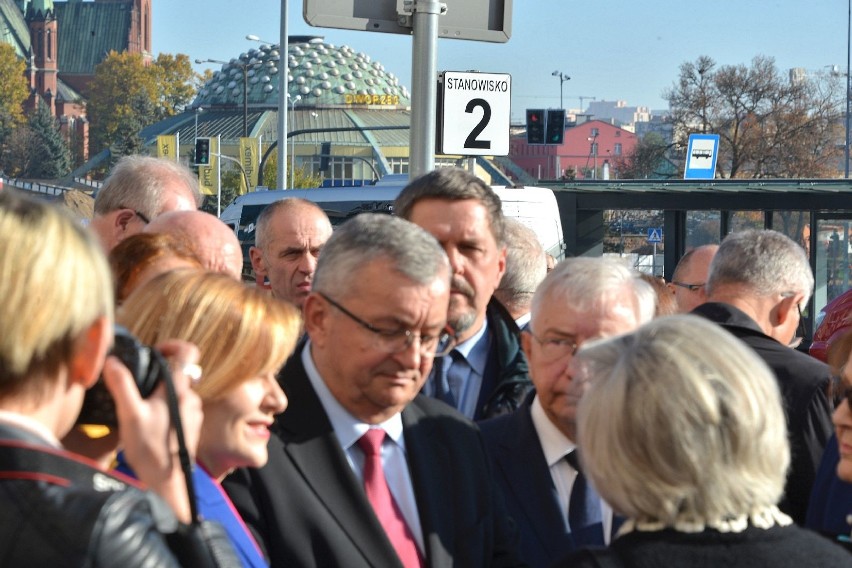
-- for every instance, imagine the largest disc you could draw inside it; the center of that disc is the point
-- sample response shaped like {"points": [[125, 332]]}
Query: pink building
{"points": [[582, 155]]}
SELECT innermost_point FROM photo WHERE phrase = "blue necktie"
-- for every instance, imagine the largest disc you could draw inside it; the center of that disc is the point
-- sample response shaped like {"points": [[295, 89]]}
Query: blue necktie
{"points": [[584, 509], [447, 384]]}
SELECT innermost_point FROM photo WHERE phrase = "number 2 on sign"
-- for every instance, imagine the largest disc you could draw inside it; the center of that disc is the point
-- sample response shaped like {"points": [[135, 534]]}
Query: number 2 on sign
{"points": [[471, 140]]}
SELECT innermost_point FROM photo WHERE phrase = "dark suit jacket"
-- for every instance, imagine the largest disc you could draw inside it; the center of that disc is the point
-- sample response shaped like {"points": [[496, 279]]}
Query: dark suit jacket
{"points": [[803, 381], [309, 510], [524, 478]]}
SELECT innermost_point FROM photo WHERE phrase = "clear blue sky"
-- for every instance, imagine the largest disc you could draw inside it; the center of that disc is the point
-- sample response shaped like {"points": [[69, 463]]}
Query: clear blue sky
{"points": [[611, 50]]}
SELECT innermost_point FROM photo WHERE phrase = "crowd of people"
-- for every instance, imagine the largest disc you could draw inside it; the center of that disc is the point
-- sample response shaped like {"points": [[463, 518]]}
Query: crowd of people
{"points": [[416, 389]]}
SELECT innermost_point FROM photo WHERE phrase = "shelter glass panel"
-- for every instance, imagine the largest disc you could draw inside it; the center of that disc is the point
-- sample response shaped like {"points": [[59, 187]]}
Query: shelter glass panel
{"points": [[794, 224], [745, 220], [702, 228], [833, 268]]}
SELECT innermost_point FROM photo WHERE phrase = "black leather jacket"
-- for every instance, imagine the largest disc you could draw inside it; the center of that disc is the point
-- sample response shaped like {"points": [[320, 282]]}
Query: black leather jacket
{"points": [[77, 519]]}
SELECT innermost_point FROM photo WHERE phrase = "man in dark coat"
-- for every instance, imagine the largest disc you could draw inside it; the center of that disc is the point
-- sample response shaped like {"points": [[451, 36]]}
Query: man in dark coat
{"points": [[465, 215], [375, 317], [758, 283]]}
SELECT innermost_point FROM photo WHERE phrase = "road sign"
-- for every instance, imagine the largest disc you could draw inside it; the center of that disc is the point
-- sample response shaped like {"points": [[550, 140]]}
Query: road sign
{"points": [[701, 154], [655, 235], [474, 114], [480, 20]]}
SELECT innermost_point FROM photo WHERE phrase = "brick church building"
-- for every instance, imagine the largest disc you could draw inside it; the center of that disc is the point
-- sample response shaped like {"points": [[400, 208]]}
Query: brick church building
{"points": [[63, 41]]}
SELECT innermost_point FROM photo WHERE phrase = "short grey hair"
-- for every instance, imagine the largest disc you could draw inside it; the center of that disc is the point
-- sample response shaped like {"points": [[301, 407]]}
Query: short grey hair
{"points": [[453, 184], [586, 281], [526, 265], [701, 431], [138, 182], [288, 204], [367, 237], [764, 261]]}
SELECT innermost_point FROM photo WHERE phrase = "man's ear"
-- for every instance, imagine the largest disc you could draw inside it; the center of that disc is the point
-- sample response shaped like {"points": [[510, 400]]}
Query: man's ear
{"points": [[501, 265], [316, 312], [256, 256], [89, 353], [785, 308], [122, 219], [526, 343]]}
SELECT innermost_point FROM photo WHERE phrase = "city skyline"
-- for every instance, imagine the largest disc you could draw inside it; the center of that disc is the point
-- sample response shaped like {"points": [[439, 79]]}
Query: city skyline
{"points": [[611, 51]]}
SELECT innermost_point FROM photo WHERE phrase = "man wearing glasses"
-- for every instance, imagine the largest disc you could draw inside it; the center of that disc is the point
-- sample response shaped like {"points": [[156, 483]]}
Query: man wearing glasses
{"points": [[534, 449], [690, 276], [138, 189], [758, 283], [362, 470]]}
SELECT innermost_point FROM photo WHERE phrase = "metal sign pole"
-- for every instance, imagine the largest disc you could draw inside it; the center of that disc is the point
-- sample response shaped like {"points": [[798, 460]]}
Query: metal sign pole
{"points": [[283, 71], [424, 86]]}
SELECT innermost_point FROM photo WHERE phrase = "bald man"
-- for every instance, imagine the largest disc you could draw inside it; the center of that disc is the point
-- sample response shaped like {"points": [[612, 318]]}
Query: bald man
{"points": [[208, 237], [690, 277], [289, 237], [138, 189]]}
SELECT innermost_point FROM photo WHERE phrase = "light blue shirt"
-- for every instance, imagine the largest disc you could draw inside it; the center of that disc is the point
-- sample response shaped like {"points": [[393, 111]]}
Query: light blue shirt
{"points": [[349, 430], [468, 373]]}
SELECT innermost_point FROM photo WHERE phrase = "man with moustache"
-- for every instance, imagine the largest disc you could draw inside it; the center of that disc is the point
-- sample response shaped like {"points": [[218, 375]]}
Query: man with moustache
{"points": [[486, 374], [363, 471]]}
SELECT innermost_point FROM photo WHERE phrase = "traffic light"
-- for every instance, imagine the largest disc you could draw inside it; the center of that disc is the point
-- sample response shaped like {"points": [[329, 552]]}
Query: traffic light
{"points": [[535, 126], [202, 151], [555, 126]]}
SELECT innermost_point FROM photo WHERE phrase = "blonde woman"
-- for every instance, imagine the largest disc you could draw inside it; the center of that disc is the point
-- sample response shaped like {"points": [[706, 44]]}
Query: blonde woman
{"points": [[244, 336], [56, 507], [690, 445]]}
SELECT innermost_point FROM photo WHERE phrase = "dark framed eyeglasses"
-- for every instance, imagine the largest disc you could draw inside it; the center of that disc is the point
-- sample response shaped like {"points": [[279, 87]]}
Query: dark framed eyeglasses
{"points": [[397, 340], [553, 348], [690, 287]]}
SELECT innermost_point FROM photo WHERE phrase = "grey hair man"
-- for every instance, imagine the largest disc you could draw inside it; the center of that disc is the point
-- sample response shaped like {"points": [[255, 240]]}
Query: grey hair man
{"points": [[288, 238], [212, 241], [375, 318], [689, 278], [580, 299], [486, 375], [758, 283], [526, 267], [138, 189]]}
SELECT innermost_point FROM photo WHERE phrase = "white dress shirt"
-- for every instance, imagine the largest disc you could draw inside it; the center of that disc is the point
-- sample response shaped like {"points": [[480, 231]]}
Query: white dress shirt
{"points": [[556, 446], [349, 430]]}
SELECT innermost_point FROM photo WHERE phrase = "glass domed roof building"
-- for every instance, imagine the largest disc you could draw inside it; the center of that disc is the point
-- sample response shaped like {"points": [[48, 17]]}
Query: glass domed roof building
{"points": [[341, 102], [348, 117]]}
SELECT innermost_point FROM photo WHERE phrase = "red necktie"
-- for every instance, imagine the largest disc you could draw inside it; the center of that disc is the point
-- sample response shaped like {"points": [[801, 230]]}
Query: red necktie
{"points": [[386, 509]]}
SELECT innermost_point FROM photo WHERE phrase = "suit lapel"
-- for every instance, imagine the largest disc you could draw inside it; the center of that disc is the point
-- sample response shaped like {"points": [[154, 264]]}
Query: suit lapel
{"points": [[432, 479], [520, 458], [311, 445]]}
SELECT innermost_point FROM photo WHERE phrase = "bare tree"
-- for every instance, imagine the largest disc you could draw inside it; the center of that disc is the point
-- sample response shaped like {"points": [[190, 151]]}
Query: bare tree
{"points": [[769, 125]]}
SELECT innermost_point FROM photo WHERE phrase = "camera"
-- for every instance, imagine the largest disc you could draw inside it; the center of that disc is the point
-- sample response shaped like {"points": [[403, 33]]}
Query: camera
{"points": [[146, 364]]}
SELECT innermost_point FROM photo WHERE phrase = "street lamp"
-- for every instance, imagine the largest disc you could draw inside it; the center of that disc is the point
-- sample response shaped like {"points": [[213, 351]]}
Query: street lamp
{"points": [[594, 151], [283, 72], [562, 78], [848, 84], [293, 102], [244, 67]]}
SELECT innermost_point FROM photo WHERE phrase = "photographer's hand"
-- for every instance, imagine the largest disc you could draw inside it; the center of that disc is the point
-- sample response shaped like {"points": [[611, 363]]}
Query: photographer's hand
{"points": [[145, 428]]}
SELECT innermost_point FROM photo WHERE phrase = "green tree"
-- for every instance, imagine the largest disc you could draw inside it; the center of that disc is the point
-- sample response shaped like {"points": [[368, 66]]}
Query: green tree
{"points": [[51, 157], [127, 95], [121, 81], [13, 93], [645, 160], [302, 177], [176, 81], [769, 125]]}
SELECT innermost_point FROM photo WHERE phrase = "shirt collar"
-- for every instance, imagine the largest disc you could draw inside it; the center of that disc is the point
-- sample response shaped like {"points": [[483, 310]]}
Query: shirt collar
{"points": [[554, 443], [475, 349], [347, 428]]}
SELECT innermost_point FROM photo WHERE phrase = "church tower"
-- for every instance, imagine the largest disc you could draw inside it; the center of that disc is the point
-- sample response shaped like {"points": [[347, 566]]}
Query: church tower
{"points": [[41, 19]]}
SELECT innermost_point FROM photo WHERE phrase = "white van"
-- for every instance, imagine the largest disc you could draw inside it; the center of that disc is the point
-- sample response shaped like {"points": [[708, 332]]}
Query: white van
{"points": [[535, 207]]}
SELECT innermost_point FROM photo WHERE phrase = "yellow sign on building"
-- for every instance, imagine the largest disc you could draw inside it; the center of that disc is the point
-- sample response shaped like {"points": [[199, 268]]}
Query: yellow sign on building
{"points": [[208, 178]]}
